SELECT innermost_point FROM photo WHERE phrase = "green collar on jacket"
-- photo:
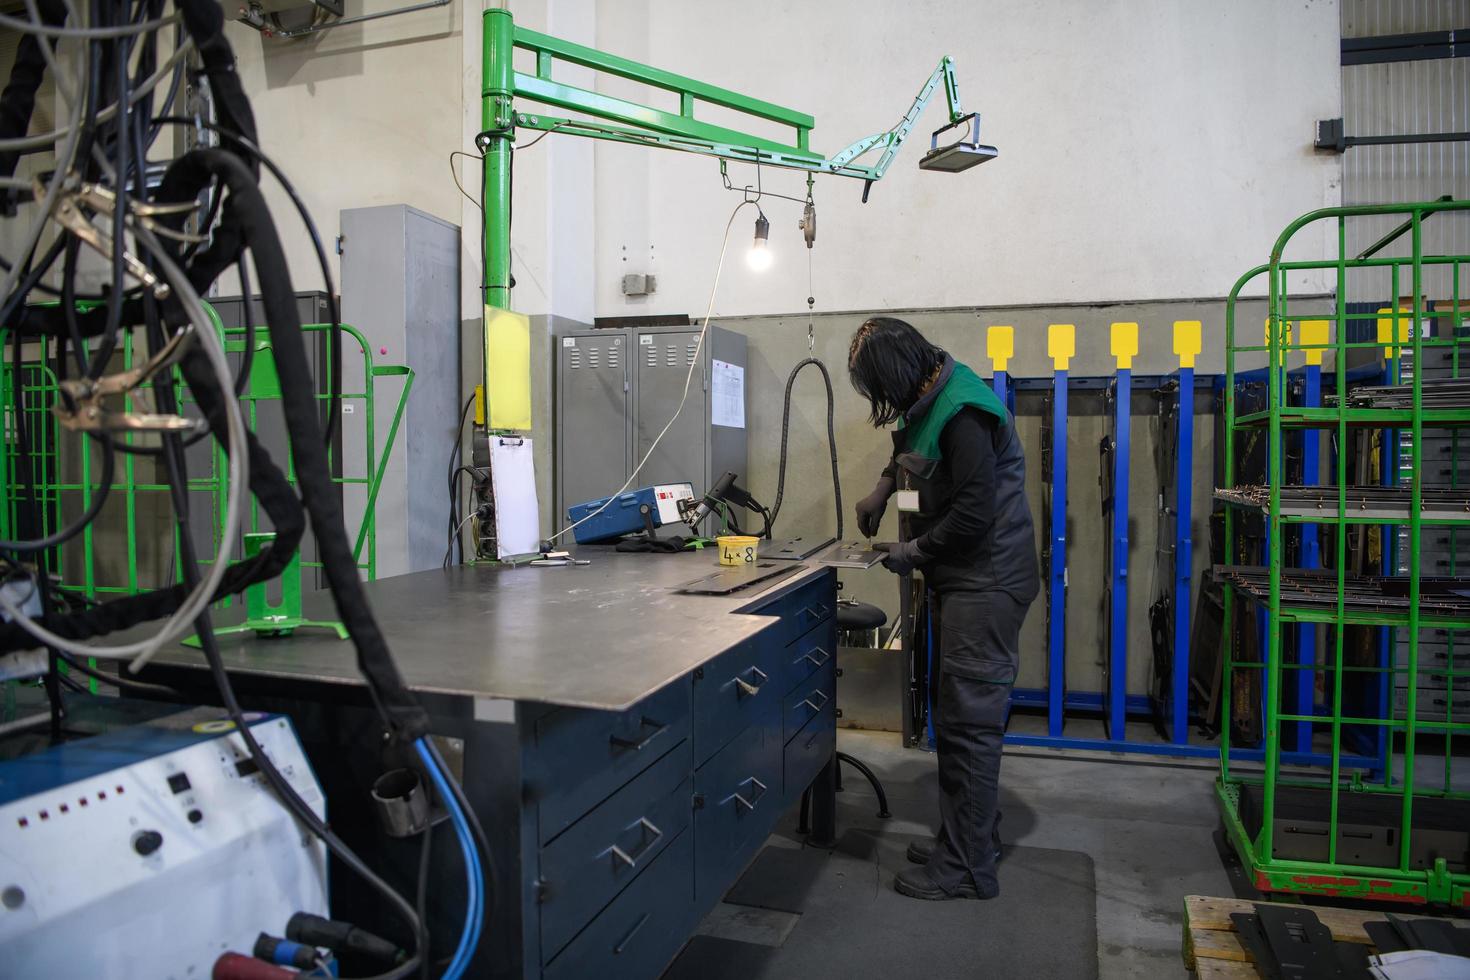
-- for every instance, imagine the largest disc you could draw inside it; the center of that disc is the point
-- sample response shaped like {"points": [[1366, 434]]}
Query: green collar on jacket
{"points": [[958, 388]]}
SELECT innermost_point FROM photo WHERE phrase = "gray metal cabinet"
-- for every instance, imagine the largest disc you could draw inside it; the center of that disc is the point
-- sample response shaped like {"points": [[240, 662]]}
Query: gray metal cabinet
{"points": [[594, 424], [617, 389], [400, 288]]}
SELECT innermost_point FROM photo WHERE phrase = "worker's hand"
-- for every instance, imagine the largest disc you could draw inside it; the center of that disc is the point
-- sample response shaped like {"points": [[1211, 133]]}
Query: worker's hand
{"points": [[870, 509], [902, 556]]}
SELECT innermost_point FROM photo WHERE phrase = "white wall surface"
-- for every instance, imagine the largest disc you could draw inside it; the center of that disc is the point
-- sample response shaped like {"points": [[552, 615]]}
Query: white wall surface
{"points": [[1148, 149], [357, 116]]}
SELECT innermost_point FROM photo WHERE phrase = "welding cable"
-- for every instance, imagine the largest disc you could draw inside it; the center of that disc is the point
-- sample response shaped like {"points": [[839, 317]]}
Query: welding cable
{"points": [[831, 444], [114, 32], [469, 939], [238, 467], [334, 312], [694, 361]]}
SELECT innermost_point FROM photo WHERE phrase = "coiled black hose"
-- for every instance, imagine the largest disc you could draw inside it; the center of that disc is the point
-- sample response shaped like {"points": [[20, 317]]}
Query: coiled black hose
{"points": [[831, 442]]}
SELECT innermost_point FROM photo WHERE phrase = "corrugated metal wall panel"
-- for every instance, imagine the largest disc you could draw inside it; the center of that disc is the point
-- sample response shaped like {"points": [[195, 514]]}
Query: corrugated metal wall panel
{"points": [[1369, 18], [1412, 97]]}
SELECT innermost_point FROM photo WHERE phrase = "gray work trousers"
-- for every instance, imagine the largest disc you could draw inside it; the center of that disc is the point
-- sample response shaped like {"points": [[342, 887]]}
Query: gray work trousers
{"points": [[979, 639]]}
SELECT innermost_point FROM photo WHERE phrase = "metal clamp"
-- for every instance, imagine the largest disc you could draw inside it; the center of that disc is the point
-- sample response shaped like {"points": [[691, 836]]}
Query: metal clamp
{"points": [[742, 801], [631, 860], [745, 687], [68, 212], [640, 744], [80, 408]]}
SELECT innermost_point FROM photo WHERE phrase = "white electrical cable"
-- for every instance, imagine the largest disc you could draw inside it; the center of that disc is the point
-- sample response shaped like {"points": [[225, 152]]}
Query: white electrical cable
{"points": [[182, 620], [43, 140], [693, 363], [86, 33]]}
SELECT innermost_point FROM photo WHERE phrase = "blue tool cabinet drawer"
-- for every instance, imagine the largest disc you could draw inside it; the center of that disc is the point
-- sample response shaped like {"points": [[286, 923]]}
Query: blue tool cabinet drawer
{"points": [[732, 690], [639, 933], [809, 750], [580, 757], [737, 800], [802, 608], [810, 653], [600, 854], [809, 699]]}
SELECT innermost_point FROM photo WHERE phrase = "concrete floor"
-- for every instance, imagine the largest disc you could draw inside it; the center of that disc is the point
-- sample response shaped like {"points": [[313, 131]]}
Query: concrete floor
{"points": [[1148, 825]]}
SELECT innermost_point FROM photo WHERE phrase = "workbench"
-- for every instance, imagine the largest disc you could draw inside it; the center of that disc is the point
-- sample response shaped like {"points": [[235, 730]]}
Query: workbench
{"points": [[627, 748]]}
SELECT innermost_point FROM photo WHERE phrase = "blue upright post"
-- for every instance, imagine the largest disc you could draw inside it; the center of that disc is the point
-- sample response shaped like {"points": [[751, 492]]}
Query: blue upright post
{"points": [[1183, 552], [1188, 337], [1125, 347], [1060, 345], [1306, 640], [1000, 383]]}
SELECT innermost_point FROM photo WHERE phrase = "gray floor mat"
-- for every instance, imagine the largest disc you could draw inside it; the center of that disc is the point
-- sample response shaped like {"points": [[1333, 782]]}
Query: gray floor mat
{"points": [[853, 924]]}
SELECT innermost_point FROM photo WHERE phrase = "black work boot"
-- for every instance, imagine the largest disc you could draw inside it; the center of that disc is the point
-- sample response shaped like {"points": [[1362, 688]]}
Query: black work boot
{"points": [[916, 883], [920, 851]]}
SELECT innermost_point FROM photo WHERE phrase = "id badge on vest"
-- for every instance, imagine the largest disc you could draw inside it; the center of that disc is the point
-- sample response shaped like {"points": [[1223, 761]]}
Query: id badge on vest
{"points": [[907, 501]]}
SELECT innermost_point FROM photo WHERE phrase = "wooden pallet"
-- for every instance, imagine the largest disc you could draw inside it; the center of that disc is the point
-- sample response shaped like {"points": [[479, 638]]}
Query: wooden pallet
{"points": [[1212, 948]]}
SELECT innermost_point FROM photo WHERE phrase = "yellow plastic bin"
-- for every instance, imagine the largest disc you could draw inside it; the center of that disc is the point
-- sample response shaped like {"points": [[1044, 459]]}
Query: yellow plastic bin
{"points": [[737, 549]]}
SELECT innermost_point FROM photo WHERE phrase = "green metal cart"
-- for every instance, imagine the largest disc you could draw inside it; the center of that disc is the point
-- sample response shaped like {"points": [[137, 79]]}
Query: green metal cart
{"points": [[1399, 829]]}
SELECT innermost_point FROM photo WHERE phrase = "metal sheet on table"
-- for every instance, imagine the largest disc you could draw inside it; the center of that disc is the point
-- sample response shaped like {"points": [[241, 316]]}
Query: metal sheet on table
{"points": [[792, 549], [604, 635]]}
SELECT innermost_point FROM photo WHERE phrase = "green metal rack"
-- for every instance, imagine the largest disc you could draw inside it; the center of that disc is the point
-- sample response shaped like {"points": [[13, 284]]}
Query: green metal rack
{"points": [[104, 559], [1395, 831]]}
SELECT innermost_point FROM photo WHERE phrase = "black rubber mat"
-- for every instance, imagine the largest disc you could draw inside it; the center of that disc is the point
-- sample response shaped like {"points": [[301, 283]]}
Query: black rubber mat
{"points": [[853, 924]]}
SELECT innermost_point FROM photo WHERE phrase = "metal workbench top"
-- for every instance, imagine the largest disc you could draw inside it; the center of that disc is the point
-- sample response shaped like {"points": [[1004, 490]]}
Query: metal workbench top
{"points": [[604, 635]]}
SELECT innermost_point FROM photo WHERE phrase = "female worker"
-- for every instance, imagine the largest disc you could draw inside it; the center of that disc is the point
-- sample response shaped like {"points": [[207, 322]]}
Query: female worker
{"points": [[960, 477]]}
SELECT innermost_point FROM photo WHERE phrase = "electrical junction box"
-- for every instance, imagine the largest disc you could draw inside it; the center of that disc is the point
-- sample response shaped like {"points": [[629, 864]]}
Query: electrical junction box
{"points": [[150, 849], [624, 514], [639, 285]]}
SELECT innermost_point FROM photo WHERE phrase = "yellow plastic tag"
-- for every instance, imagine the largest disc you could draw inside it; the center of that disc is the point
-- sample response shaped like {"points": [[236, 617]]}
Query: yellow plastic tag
{"points": [[1385, 329], [1125, 344], [1061, 344], [1188, 338], [508, 369], [1000, 346], [1314, 334]]}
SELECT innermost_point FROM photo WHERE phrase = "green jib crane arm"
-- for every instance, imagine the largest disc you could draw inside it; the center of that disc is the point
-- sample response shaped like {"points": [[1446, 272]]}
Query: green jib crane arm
{"points": [[625, 121]]}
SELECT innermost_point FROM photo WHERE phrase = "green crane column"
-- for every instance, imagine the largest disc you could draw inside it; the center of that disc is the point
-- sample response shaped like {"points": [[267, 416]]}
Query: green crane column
{"points": [[498, 131]]}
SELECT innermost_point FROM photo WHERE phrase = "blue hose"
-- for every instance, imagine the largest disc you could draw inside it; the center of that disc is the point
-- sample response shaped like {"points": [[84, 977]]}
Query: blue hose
{"points": [[469, 938]]}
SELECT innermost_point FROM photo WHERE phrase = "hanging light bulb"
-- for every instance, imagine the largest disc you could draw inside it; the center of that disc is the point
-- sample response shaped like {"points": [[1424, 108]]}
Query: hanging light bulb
{"points": [[759, 257]]}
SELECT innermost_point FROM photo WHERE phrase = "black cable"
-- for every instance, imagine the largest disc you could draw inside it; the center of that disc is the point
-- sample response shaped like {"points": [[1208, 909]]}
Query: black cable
{"points": [[455, 454], [831, 444], [117, 680], [176, 474], [334, 380]]}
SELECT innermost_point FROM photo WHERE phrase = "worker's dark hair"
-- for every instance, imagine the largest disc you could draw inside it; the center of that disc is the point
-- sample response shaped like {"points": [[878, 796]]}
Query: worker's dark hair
{"points": [[889, 364]]}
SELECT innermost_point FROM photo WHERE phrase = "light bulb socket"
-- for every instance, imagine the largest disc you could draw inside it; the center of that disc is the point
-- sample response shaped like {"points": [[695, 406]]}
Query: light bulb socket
{"points": [[762, 229]]}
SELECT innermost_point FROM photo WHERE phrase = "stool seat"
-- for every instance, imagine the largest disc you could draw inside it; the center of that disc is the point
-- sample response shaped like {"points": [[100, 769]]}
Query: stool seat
{"points": [[860, 616]]}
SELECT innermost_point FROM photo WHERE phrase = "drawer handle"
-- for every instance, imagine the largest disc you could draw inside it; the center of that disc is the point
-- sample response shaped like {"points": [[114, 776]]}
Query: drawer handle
{"points": [[816, 661], [817, 705], [815, 612], [631, 860], [618, 949], [745, 687], [740, 800], [638, 745]]}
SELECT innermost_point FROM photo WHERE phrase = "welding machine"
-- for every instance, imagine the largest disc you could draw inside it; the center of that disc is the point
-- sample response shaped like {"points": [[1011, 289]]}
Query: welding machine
{"points": [[646, 509], [152, 847]]}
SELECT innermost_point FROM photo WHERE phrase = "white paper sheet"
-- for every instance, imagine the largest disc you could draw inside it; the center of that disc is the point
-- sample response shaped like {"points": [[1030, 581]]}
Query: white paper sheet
{"points": [[517, 512], [727, 395]]}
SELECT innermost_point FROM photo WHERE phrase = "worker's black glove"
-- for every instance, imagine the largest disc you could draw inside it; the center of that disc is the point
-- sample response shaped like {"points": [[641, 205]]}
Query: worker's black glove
{"points": [[902, 556], [870, 509]]}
